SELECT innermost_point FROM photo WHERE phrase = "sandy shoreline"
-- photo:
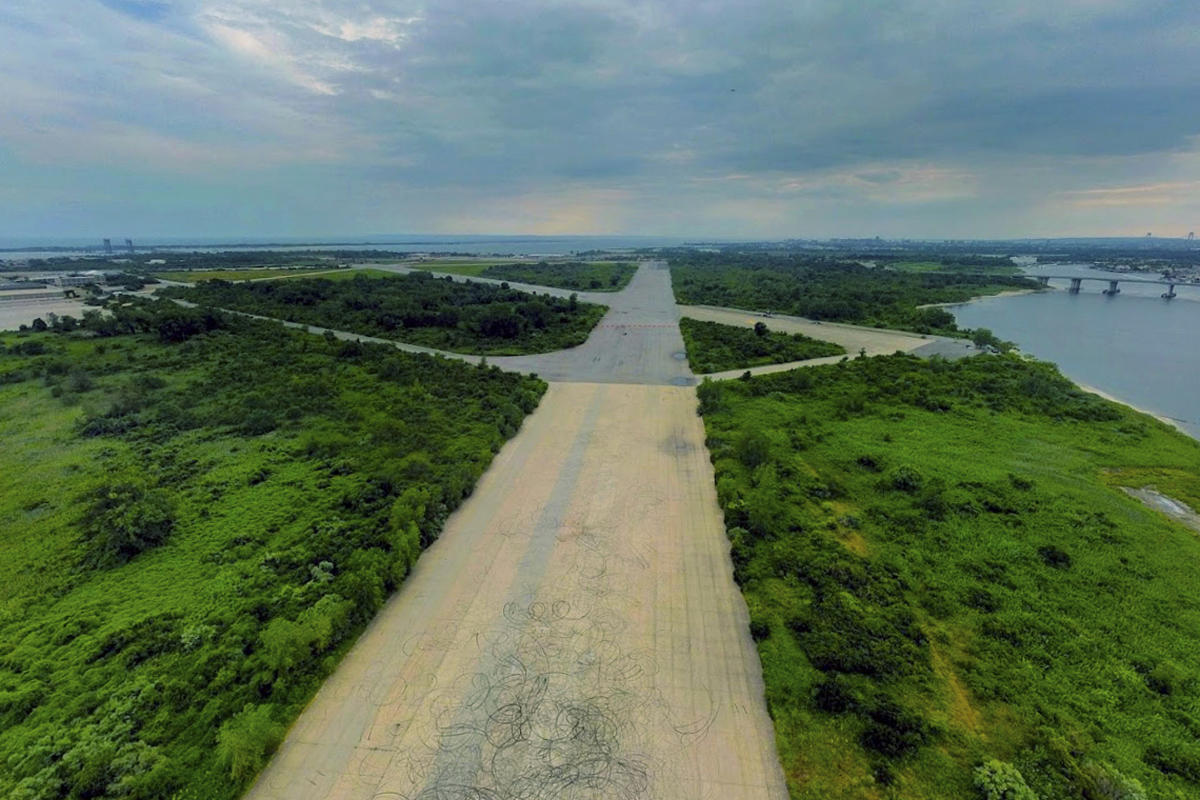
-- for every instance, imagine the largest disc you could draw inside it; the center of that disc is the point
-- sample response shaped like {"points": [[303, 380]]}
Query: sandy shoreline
{"points": [[1160, 417], [1005, 293]]}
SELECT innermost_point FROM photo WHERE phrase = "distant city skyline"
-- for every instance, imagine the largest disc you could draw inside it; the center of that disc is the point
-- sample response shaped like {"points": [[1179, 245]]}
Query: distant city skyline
{"points": [[766, 120]]}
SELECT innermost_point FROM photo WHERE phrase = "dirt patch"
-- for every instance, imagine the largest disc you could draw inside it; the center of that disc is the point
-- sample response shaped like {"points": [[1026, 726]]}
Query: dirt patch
{"points": [[677, 445], [1176, 510], [854, 542], [962, 713]]}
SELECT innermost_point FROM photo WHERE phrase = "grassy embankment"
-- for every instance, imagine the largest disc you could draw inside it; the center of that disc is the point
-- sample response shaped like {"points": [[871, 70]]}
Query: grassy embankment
{"points": [[942, 570], [713, 347], [416, 308], [195, 523], [825, 288], [582, 276]]}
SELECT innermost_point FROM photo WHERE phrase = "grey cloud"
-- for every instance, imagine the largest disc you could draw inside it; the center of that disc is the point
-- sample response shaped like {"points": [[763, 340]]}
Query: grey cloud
{"points": [[478, 98]]}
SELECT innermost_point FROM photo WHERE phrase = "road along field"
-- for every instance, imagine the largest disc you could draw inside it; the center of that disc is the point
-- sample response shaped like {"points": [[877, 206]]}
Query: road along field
{"points": [[576, 631], [855, 338], [875, 341]]}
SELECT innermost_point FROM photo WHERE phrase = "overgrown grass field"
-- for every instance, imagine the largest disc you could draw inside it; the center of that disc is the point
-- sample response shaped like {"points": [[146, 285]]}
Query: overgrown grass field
{"points": [[952, 596], [583, 276], [416, 308], [713, 347], [198, 515], [833, 289]]}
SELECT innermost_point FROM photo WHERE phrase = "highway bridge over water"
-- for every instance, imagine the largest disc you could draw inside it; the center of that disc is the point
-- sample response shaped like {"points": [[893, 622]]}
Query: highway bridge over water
{"points": [[1113, 288]]}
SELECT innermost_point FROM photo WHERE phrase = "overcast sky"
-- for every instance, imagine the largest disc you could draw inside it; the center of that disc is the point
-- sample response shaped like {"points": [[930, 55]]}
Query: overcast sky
{"points": [[705, 118]]}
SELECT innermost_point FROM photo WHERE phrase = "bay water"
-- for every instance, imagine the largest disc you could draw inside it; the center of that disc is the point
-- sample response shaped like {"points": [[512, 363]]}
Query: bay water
{"points": [[1135, 345]]}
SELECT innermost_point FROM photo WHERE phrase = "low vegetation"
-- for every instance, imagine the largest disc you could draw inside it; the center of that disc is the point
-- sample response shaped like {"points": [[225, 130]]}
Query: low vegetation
{"points": [[713, 347], [198, 514], [974, 266], [415, 308], [195, 276], [951, 596], [827, 288], [584, 276]]}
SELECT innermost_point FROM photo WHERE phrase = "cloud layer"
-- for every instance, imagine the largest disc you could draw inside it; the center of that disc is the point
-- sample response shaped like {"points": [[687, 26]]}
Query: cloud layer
{"points": [[698, 118]]}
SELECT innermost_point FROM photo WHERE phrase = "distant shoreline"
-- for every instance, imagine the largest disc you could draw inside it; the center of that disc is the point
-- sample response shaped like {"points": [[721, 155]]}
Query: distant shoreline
{"points": [[1005, 293]]}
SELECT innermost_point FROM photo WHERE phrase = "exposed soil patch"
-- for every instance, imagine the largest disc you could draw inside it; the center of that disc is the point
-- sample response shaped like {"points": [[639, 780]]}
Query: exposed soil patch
{"points": [[1167, 505]]}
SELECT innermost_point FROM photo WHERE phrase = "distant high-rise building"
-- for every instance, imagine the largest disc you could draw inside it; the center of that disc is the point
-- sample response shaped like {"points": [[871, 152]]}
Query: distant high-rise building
{"points": [[129, 244], [108, 247]]}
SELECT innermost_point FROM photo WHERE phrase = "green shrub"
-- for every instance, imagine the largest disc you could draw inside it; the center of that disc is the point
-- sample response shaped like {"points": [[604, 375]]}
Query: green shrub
{"points": [[1054, 556], [1167, 678], [1104, 782], [124, 519], [753, 448], [246, 741], [997, 780], [907, 479], [894, 731], [1176, 758]]}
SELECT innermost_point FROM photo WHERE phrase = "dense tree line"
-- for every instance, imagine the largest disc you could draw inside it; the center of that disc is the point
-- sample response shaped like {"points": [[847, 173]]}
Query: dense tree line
{"points": [[950, 596], [828, 288], [712, 347], [584, 276], [416, 308], [197, 528], [965, 262]]}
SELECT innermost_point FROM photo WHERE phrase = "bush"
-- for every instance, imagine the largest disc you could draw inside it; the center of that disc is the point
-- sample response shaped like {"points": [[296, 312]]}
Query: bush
{"points": [[246, 741], [125, 519], [997, 780], [1166, 678], [1174, 758], [258, 422], [907, 479], [1103, 782], [753, 448], [78, 380], [835, 695], [895, 732], [1054, 556]]}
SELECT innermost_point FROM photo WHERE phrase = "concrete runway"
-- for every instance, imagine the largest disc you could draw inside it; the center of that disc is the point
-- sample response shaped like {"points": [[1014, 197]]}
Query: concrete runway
{"points": [[576, 631]]}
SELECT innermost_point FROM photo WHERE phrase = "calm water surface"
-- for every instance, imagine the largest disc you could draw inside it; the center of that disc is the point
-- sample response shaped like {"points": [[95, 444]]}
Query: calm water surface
{"points": [[1135, 346]]}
